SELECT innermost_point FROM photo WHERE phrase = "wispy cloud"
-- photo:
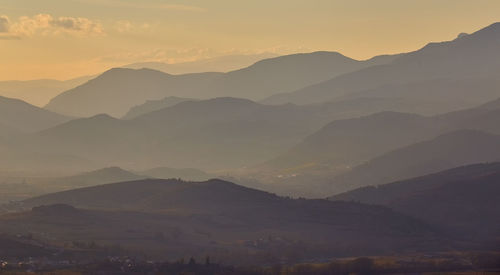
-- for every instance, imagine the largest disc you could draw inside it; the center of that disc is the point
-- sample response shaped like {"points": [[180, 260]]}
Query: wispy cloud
{"points": [[159, 5], [4, 24], [180, 55], [5, 29], [45, 24]]}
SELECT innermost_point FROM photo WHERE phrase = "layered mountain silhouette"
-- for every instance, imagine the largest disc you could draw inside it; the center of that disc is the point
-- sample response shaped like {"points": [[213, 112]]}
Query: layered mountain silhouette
{"points": [[39, 92], [441, 67], [215, 133], [154, 105], [96, 177], [352, 141], [347, 142], [447, 151], [217, 64], [187, 174], [116, 91], [19, 115], [462, 200]]}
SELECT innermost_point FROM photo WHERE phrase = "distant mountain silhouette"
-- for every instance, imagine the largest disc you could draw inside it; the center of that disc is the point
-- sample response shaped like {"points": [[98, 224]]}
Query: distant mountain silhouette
{"points": [[463, 200], [188, 174], [96, 177], [217, 64], [154, 105], [436, 66], [348, 142], [116, 91], [208, 134], [450, 150], [38, 92], [352, 141], [17, 114]]}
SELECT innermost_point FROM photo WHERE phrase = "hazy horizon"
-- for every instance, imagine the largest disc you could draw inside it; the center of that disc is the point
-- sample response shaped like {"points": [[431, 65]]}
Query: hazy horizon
{"points": [[67, 39], [249, 137]]}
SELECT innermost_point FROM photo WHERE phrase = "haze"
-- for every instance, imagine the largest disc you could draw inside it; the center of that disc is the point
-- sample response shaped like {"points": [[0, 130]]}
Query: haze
{"points": [[63, 39], [249, 137]]}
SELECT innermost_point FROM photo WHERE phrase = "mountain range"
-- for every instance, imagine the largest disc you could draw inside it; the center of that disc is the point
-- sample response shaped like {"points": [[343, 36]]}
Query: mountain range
{"points": [[262, 79], [39, 92], [438, 69], [225, 63], [462, 200], [23, 117]]}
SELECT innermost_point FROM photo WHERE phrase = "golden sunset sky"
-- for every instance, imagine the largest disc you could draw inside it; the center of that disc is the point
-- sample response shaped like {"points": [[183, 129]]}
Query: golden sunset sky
{"points": [[62, 39]]}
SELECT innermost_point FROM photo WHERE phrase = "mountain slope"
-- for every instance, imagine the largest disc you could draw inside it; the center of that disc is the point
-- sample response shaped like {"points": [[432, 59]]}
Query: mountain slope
{"points": [[208, 134], [218, 64], [38, 92], [471, 56], [262, 79], [461, 199], [188, 174], [444, 152], [19, 115], [154, 105], [96, 177], [351, 141], [117, 90], [347, 142]]}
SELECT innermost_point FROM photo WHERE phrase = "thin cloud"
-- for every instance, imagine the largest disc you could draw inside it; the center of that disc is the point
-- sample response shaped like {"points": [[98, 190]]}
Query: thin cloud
{"points": [[143, 5], [4, 24], [45, 24], [5, 29]]}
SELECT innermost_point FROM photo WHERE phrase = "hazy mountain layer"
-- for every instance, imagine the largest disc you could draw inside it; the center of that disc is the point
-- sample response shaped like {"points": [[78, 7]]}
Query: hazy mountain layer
{"points": [[464, 200], [116, 91], [38, 92], [19, 115], [444, 152], [218, 64], [154, 105], [469, 59]]}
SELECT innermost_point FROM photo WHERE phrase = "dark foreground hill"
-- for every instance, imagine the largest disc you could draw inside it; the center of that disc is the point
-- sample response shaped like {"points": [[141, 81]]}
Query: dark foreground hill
{"points": [[176, 218], [464, 200]]}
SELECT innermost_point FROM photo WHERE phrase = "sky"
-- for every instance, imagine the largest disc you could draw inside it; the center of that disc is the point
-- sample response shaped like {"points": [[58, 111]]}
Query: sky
{"points": [[63, 39]]}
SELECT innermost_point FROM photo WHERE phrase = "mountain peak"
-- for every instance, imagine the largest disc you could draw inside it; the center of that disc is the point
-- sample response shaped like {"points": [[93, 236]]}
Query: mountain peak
{"points": [[101, 117]]}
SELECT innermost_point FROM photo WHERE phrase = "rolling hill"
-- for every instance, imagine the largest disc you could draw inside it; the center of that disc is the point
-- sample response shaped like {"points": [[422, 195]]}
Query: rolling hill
{"points": [[206, 217], [447, 151], [351, 141], [463, 200], [187, 174], [96, 177]]}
